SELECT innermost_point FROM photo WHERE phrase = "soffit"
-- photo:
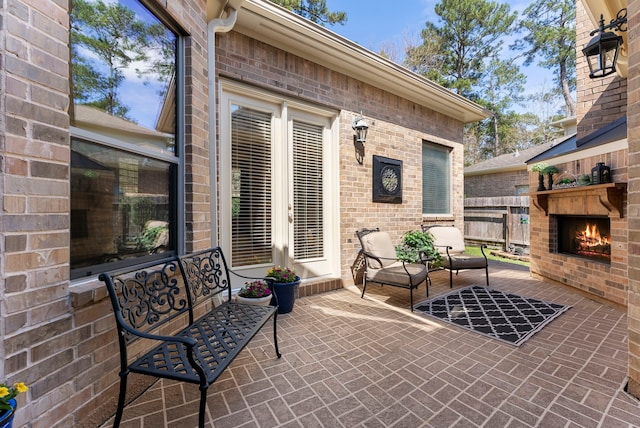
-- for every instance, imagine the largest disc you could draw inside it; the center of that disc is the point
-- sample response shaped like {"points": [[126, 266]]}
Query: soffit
{"points": [[609, 10], [276, 26]]}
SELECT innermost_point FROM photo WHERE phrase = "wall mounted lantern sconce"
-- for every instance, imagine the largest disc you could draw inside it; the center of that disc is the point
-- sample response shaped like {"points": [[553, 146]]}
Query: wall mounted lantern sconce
{"points": [[361, 127], [602, 50]]}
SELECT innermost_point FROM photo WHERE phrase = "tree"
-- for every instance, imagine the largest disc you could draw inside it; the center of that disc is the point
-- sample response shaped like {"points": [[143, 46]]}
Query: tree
{"points": [[313, 10], [551, 37], [454, 52]]}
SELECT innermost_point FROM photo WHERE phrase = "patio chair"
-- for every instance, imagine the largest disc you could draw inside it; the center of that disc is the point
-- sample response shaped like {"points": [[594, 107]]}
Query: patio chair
{"points": [[451, 239], [383, 267]]}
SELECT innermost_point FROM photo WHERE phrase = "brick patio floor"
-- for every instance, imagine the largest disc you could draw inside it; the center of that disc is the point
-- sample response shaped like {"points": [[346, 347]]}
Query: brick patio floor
{"points": [[352, 362]]}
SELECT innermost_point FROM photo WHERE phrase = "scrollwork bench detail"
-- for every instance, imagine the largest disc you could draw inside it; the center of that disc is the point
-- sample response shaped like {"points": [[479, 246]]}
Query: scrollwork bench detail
{"points": [[155, 297]]}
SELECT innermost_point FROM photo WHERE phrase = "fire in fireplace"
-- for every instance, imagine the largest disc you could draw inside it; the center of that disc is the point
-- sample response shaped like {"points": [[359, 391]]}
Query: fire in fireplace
{"points": [[585, 237]]}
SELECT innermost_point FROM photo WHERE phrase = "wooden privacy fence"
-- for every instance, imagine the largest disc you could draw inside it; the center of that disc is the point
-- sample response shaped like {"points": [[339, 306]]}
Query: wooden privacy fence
{"points": [[498, 222]]}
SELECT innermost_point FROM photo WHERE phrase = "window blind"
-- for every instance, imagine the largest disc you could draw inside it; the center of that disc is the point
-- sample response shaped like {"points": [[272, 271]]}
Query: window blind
{"points": [[436, 179], [307, 191], [251, 235]]}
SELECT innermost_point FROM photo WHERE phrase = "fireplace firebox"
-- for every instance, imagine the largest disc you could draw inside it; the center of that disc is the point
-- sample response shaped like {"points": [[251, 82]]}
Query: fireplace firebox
{"points": [[585, 236]]}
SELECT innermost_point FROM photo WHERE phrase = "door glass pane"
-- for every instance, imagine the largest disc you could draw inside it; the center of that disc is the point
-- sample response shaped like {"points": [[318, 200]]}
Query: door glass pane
{"points": [[307, 191], [251, 237]]}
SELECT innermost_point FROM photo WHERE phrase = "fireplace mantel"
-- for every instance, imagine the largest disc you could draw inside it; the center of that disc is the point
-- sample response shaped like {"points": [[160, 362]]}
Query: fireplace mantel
{"points": [[597, 199]]}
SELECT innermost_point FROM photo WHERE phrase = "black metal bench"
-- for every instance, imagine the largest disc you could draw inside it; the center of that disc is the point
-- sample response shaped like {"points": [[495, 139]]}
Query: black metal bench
{"points": [[157, 296]]}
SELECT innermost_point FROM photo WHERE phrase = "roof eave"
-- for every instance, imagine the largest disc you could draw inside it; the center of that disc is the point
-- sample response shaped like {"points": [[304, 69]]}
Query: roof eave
{"points": [[276, 26]]}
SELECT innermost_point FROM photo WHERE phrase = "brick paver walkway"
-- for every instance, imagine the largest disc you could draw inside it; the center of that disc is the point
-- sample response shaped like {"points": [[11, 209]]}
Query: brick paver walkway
{"points": [[351, 362]]}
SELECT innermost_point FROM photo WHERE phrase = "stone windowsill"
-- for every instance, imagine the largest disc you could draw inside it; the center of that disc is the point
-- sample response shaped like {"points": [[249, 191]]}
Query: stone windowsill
{"points": [[87, 292]]}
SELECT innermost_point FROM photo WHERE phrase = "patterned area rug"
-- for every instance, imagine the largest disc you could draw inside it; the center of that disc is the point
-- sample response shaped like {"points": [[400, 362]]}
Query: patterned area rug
{"points": [[503, 316]]}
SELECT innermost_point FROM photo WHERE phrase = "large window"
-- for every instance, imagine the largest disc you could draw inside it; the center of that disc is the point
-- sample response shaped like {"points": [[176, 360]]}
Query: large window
{"points": [[124, 156], [436, 179]]}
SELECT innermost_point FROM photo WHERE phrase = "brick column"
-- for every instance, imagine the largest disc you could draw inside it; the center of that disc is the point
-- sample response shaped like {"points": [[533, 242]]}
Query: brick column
{"points": [[598, 101], [634, 198], [34, 189]]}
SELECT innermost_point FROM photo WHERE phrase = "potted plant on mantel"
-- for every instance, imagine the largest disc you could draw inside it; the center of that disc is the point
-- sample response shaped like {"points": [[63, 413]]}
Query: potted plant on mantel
{"points": [[539, 168], [255, 293], [550, 170], [285, 286], [8, 402]]}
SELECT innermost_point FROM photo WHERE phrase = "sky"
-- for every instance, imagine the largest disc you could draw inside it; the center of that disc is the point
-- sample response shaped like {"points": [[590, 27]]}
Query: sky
{"points": [[377, 24]]}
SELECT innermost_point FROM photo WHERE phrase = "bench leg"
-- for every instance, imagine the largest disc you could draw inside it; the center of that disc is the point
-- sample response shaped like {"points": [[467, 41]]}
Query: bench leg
{"points": [[203, 405], [275, 333], [364, 286], [121, 398]]}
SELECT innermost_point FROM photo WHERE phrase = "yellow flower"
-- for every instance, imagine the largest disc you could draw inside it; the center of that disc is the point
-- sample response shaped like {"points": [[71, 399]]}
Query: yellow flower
{"points": [[21, 387], [4, 391]]}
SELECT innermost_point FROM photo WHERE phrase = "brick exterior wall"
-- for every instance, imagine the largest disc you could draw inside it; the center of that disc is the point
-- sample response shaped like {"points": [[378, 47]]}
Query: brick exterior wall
{"points": [[599, 101], [495, 184], [600, 280], [59, 336], [397, 128], [633, 270]]}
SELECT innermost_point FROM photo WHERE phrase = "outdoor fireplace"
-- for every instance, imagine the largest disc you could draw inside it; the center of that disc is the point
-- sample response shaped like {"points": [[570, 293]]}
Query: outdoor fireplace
{"points": [[585, 236]]}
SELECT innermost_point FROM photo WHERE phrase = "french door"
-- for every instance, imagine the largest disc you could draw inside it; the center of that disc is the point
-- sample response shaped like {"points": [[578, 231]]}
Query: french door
{"points": [[278, 186]]}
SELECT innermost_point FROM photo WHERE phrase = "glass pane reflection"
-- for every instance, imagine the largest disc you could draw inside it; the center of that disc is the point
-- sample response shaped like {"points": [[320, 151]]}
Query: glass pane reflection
{"points": [[123, 67], [120, 205]]}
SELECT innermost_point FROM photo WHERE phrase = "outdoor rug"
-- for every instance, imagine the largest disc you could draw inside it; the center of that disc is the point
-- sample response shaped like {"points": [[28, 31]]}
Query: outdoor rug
{"points": [[503, 316]]}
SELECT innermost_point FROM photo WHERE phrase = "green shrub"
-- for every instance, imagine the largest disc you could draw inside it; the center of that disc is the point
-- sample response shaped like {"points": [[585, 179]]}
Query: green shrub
{"points": [[416, 244]]}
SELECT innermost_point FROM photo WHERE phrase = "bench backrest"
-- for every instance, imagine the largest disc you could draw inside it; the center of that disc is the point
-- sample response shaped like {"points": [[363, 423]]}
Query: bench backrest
{"points": [[207, 274], [144, 297]]}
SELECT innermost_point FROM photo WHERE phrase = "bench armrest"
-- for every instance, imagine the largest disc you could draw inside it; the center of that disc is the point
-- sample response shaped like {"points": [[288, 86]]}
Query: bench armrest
{"points": [[188, 341]]}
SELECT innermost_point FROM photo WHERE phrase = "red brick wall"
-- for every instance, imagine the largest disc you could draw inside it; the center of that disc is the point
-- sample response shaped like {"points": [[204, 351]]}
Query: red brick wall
{"points": [[56, 336], [633, 270], [59, 337], [608, 282], [497, 184], [599, 101], [397, 128]]}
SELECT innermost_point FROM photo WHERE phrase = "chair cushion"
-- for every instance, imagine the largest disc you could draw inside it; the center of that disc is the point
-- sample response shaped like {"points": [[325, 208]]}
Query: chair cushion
{"points": [[447, 236], [379, 244], [463, 261], [396, 274]]}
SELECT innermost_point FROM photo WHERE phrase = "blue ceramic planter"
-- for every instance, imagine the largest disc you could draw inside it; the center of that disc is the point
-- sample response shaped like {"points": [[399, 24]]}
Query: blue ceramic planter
{"points": [[6, 416], [286, 293]]}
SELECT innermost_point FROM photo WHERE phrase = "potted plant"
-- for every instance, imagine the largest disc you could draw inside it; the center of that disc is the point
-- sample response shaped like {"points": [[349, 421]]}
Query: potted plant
{"points": [[539, 168], [8, 402], [285, 286], [550, 170], [416, 247], [254, 293]]}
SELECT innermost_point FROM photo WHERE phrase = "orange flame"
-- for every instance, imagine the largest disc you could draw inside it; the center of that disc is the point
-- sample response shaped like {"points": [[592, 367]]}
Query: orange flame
{"points": [[590, 237]]}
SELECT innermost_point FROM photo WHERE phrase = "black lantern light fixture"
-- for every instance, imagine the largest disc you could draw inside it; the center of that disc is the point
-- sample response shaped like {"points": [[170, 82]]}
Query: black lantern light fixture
{"points": [[361, 127], [602, 50]]}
